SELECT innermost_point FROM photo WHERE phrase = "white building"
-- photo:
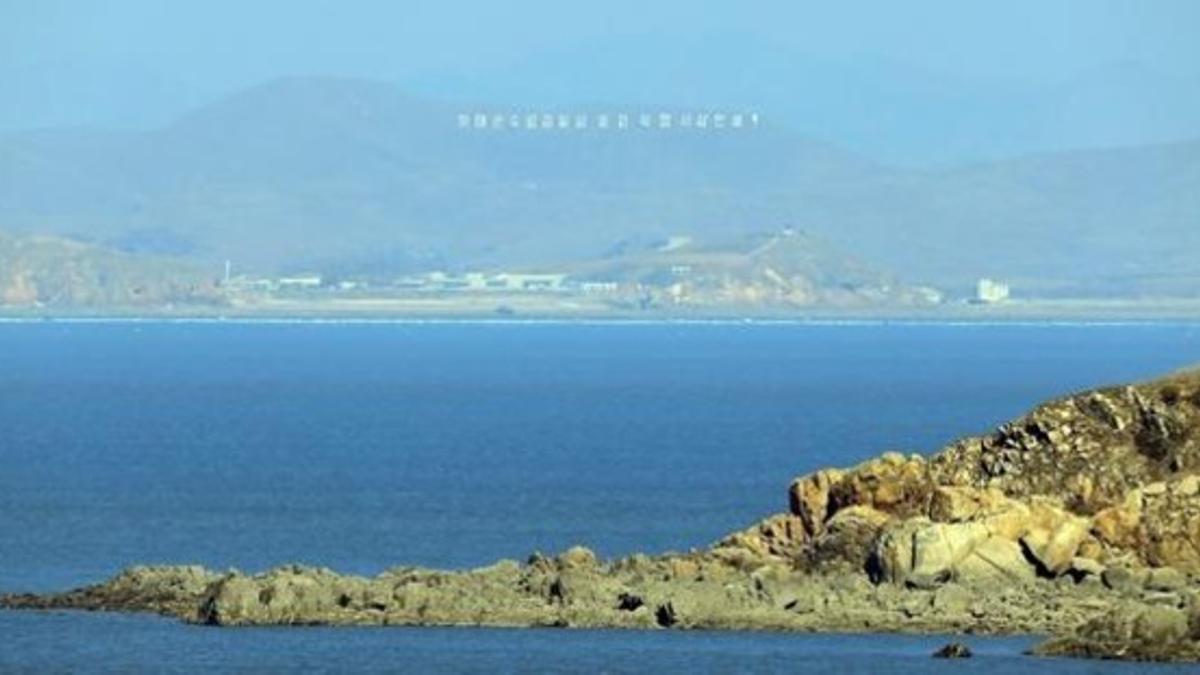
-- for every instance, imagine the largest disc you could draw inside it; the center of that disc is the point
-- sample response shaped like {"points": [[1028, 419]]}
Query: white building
{"points": [[301, 281], [991, 292]]}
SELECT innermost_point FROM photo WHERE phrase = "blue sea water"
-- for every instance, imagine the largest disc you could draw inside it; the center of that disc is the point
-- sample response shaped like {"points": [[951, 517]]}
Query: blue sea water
{"points": [[363, 446]]}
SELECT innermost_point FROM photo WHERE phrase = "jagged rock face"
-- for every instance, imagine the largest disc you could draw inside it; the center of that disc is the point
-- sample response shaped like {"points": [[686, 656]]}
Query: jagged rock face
{"points": [[1161, 521], [1103, 475], [894, 484], [783, 536], [1090, 449]]}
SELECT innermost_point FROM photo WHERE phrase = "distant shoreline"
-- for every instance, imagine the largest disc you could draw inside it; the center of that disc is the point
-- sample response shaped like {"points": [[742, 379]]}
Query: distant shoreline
{"points": [[583, 321], [1040, 313]]}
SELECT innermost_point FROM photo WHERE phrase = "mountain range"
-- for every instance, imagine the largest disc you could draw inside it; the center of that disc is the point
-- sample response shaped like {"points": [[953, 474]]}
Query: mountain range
{"points": [[345, 176]]}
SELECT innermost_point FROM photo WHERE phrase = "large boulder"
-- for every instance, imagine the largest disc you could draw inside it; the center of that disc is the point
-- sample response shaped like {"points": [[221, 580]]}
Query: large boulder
{"points": [[809, 499], [891, 558], [848, 538], [1162, 625], [892, 483], [993, 561], [1053, 542], [956, 504], [939, 548], [781, 536], [1146, 633], [577, 557], [1152, 633], [924, 554]]}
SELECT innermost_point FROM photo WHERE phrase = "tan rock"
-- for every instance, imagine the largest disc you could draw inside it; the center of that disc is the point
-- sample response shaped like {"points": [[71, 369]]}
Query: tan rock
{"points": [[849, 536], [1055, 547], [939, 548], [780, 536], [1092, 549], [1169, 529], [1188, 486], [1086, 567], [995, 560], [951, 504], [1162, 625], [891, 557], [1154, 489], [809, 498], [1165, 579], [1011, 523], [234, 601], [577, 557], [952, 599], [892, 484], [682, 568], [1117, 526]]}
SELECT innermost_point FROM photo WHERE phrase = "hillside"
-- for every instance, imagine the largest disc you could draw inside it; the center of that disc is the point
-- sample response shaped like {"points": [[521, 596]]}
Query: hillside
{"points": [[317, 173], [785, 268], [44, 271]]}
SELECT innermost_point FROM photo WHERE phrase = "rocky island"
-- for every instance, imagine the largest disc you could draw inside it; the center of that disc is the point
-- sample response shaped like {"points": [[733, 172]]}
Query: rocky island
{"points": [[1080, 520]]}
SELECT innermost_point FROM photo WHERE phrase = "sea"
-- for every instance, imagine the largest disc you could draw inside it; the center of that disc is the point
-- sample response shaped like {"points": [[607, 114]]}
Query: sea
{"points": [[360, 446]]}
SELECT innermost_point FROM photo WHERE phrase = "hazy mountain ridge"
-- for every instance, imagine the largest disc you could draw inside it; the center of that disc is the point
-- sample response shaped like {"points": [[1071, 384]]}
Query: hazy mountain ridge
{"points": [[307, 171], [894, 110]]}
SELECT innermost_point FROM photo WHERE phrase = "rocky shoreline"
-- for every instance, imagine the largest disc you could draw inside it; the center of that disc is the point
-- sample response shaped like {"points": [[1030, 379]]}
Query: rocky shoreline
{"points": [[1080, 520]]}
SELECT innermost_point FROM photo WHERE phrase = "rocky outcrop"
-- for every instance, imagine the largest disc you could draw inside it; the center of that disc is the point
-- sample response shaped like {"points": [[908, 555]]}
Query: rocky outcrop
{"points": [[700, 590], [1090, 450], [1081, 519], [1148, 634], [1108, 474], [173, 590]]}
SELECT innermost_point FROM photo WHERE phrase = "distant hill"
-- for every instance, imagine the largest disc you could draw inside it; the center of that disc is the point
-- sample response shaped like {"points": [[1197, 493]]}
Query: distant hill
{"points": [[786, 268], [45, 271], [331, 174], [888, 109]]}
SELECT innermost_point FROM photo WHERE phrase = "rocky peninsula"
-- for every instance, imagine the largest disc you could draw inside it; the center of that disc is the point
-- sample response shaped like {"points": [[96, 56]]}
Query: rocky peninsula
{"points": [[1080, 520]]}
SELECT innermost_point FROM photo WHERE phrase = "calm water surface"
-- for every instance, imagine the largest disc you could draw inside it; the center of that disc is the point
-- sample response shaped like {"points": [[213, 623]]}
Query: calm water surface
{"points": [[361, 447]]}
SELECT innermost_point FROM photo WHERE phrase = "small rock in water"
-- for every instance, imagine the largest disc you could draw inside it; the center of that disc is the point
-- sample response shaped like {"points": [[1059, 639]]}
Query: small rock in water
{"points": [[954, 650]]}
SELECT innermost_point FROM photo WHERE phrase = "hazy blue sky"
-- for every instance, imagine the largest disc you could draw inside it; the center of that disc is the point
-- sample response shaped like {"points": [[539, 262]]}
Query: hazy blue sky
{"points": [[139, 62]]}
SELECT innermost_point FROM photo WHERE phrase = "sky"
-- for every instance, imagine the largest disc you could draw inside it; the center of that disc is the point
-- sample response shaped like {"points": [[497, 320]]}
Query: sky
{"points": [[139, 63]]}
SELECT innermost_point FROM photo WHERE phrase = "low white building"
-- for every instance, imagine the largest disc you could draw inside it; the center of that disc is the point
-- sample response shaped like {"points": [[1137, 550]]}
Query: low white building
{"points": [[300, 281], [531, 282], [990, 292]]}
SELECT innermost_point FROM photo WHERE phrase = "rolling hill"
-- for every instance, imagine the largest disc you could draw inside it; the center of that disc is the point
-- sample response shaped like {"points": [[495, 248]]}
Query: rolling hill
{"points": [[47, 271], [334, 174]]}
